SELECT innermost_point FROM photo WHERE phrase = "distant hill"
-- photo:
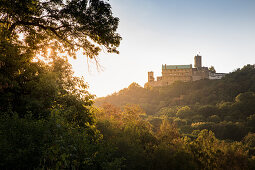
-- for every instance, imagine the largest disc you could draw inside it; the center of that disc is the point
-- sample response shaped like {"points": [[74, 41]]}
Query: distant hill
{"points": [[201, 92], [224, 106]]}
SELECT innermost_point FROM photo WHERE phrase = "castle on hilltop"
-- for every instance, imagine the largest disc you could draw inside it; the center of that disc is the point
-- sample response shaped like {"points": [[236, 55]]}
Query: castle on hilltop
{"points": [[185, 73]]}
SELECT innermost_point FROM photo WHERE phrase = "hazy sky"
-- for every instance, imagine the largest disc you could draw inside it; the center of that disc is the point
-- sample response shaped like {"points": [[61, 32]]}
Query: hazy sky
{"points": [[157, 32]]}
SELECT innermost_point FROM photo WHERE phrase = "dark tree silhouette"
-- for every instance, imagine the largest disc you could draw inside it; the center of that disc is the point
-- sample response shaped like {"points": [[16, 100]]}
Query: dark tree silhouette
{"points": [[64, 25]]}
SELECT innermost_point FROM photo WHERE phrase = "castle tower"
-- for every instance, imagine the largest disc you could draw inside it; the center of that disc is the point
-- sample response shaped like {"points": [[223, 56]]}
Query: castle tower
{"points": [[198, 61], [150, 76]]}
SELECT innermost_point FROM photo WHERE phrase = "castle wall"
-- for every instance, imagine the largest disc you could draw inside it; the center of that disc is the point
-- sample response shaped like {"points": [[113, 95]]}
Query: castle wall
{"points": [[171, 75], [156, 83], [200, 73]]}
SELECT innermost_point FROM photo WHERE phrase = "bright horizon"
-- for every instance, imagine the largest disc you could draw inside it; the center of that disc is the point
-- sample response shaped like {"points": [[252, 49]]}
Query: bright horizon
{"points": [[172, 32]]}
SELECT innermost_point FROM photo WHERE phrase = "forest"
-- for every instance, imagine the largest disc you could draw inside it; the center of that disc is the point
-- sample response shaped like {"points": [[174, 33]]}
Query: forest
{"points": [[222, 109], [49, 120], [224, 106]]}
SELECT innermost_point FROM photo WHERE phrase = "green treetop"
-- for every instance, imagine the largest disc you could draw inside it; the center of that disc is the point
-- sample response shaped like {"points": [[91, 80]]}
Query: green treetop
{"points": [[66, 25]]}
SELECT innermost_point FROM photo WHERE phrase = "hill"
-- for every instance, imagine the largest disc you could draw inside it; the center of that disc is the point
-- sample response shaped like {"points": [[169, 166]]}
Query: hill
{"points": [[185, 93], [224, 106]]}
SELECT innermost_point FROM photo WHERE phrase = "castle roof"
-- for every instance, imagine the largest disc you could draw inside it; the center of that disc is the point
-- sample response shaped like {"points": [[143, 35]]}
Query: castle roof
{"points": [[166, 67]]}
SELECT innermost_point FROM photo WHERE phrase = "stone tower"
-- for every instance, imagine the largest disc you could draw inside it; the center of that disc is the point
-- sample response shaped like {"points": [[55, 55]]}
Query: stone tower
{"points": [[150, 76], [198, 61]]}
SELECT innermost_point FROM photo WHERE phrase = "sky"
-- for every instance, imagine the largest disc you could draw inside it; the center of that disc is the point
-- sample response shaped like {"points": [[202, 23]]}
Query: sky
{"points": [[172, 32]]}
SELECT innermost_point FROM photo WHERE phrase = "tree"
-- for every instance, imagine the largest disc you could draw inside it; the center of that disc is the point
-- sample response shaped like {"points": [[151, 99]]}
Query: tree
{"points": [[251, 123], [207, 110], [167, 131], [184, 112], [212, 69], [63, 25], [46, 115]]}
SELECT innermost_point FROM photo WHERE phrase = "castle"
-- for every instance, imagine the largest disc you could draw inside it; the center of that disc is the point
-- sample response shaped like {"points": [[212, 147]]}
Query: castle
{"points": [[172, 73]]}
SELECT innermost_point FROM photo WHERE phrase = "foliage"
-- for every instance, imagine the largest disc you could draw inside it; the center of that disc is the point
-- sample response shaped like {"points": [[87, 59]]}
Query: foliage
{"points": [[46, 114], [63, 25], [212, 69], [46, 117], [142, 148], [224, 106], [184, 112], [203, 92], [54, 144]]}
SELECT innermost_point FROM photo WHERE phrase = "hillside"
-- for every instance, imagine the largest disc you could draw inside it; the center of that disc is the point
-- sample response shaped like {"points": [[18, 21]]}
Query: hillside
{"points": [[224, 106], [185, 93]]}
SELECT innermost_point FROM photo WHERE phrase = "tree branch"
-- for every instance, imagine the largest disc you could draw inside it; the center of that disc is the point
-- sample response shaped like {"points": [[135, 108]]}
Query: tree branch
{"points": [[52, 29]]}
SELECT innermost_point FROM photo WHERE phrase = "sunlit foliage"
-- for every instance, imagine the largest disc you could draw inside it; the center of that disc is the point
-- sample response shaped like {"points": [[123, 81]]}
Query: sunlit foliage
{"points": [[225, 106], [46, 115], [141, 148], [63, 25]]}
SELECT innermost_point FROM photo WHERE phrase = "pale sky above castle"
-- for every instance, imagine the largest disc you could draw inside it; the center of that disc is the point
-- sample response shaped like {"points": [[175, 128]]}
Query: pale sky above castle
{"points": [[173, 32]]}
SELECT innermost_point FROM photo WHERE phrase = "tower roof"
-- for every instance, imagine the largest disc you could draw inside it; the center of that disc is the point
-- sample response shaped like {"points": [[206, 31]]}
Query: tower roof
{"points": [[166, 67]]}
